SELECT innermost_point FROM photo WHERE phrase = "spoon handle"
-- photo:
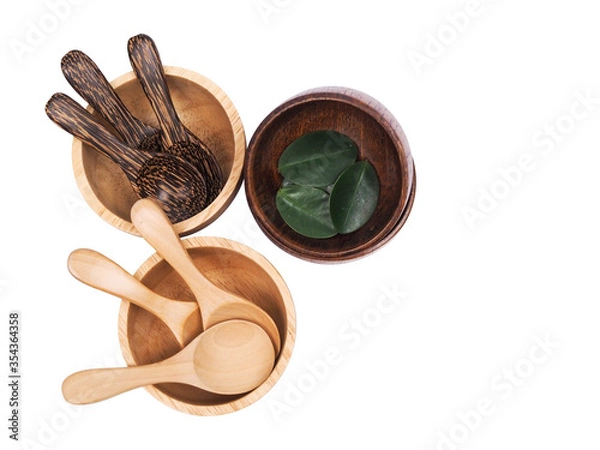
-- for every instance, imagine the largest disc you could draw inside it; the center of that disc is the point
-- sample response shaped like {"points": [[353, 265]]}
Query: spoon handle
{"points": [[76, 120], [98, 271], [216, 305], [148, 67], [89, 82], [152, 223], [94, 385]]}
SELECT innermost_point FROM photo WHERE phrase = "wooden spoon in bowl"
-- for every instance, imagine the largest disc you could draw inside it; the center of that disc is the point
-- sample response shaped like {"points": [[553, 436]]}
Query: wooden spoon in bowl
{"points": [[101, 272], [177, 139], [232, 357], [216, 305], [171, 181], [89, 82]]}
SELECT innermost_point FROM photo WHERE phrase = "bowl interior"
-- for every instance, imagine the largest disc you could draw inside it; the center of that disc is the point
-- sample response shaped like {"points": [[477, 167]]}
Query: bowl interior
{"points": [[378, 143], [145, 339], [203, 109]]}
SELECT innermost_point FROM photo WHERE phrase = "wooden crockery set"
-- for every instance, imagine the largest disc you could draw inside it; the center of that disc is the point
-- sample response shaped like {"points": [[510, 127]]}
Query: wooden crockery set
{"points": [[207, 325]]}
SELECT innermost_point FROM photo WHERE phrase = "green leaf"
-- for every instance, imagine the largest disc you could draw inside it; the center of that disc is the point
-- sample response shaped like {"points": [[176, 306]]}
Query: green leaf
{"points": [[354, 197], [306, 210], [287, 182], [317, 158]]}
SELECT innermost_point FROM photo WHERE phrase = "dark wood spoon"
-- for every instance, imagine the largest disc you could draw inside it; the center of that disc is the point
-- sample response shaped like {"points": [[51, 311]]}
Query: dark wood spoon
{"points": [[177, 139], [89, 82], [171, 181]]}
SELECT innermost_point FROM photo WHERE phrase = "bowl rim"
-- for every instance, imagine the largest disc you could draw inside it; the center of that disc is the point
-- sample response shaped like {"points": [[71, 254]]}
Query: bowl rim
{"points": [[392, 127], [230, 188], [282, 359]]}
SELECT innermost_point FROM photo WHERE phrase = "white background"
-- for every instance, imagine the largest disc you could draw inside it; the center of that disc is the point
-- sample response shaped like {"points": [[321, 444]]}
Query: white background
{"points": [[512, 82]]}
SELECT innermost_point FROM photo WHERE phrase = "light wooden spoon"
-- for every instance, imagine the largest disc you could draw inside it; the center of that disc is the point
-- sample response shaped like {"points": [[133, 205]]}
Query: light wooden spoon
{"points": [[232, 357], [101, 272], [216, 305]]}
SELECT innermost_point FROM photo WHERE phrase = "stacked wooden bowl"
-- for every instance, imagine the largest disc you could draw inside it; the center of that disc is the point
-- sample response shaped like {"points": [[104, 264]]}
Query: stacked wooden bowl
{"points": [[380, 140]]}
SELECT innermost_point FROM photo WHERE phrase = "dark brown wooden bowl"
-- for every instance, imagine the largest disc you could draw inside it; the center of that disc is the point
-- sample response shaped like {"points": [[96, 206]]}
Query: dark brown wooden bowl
{"points": [[381, 141]]}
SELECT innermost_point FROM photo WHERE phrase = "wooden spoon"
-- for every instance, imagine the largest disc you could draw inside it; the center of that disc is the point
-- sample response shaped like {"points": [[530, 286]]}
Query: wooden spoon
{"points": [[177, 139], [101, 272], [171, 181], [216, 305], [232, 357], [89, 82]]}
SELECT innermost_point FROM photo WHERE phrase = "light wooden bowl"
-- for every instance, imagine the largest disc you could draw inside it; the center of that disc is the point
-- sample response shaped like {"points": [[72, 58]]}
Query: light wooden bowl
{"points": [[232, 266], [380, 140], [203, 108]]}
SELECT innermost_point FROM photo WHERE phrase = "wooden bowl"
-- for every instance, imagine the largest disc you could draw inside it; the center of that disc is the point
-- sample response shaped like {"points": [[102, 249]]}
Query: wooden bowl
{"points": [[232, 266], [381, 141], [204, 109]]}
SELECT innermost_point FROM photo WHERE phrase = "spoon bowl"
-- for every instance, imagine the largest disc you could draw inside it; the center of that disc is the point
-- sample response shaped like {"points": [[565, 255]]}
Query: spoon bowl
{"points": [[230, 358]]}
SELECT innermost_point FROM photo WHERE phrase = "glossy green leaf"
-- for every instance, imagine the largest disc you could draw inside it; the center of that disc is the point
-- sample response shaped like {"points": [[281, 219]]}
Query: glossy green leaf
{"points": [[306, 210], [287, 182], [317, 158], [354, 197]]}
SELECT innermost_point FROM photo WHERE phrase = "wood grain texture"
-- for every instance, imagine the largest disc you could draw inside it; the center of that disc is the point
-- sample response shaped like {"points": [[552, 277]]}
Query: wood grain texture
{"points": [[216, 305], [88, 81], [204, 109], [231, 266], [230, 358], [176, 138], [100, 272], [381, 142], [169, 180]]}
